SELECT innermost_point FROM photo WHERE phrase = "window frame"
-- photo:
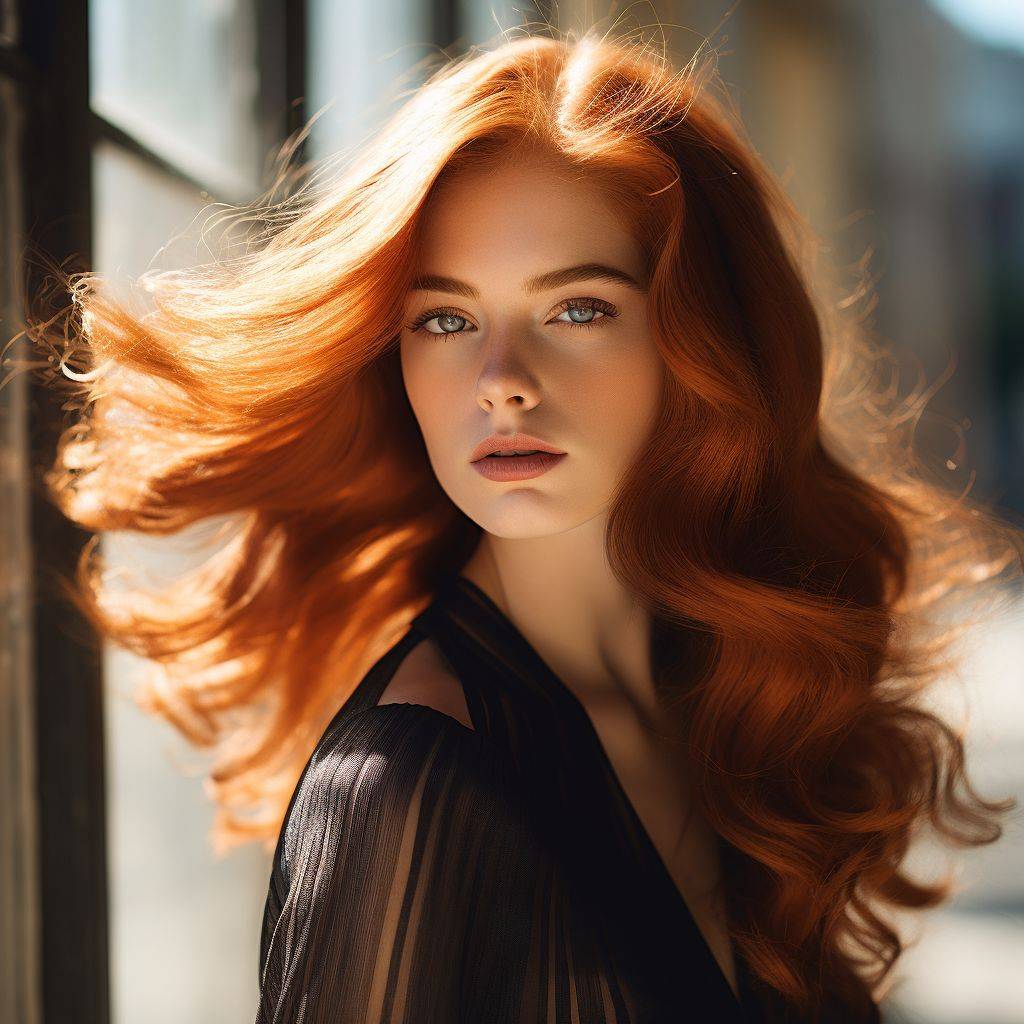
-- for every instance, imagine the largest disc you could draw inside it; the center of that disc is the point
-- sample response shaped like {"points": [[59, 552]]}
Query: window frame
{"points": [[62, 970]]}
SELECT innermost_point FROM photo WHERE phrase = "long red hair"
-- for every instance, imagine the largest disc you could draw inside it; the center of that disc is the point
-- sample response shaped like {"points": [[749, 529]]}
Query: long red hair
{"points": [[796, 554]]}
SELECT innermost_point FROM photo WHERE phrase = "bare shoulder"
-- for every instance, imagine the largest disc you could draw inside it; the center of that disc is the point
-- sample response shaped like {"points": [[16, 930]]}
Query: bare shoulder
{"points": [[425, 677]]}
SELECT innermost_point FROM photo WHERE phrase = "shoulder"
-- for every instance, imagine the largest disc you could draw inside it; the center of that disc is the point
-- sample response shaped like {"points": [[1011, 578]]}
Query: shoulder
{"points": [[384, 768], [419, 724], [407, 835], [394, 745], [425, 677]]}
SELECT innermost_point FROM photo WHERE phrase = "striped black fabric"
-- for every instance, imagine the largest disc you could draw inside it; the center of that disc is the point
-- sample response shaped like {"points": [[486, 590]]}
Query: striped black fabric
{"points": [[429, 873]]}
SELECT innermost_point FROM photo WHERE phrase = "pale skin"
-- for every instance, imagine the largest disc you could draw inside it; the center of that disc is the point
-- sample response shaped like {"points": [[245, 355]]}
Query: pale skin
{"points": [[511, 359]]}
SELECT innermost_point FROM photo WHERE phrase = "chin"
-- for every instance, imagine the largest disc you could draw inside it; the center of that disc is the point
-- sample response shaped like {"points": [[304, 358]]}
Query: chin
{"points": [[517, 517]]}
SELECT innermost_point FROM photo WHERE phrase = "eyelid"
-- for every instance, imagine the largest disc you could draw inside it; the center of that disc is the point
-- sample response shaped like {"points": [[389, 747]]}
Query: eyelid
{"points": [[603, 306]]}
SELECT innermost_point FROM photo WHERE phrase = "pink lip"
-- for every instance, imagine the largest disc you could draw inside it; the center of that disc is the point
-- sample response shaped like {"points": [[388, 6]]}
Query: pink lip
{"points": [[516, 467], [512, 442]]}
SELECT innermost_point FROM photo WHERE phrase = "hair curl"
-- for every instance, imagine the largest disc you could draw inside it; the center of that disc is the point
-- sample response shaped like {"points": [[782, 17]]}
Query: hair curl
{"points": [[786, 536]]}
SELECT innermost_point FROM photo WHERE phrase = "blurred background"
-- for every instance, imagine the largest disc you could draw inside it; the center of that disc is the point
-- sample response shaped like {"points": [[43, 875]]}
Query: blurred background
{"points": [[896, 127]]}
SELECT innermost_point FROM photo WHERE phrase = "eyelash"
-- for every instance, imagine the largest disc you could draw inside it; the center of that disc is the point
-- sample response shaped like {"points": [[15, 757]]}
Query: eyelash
{"points": [[598, 305]]}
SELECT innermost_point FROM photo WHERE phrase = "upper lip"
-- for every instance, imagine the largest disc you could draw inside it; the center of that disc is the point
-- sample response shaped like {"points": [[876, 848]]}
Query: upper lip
{"points": [[504, 442]]}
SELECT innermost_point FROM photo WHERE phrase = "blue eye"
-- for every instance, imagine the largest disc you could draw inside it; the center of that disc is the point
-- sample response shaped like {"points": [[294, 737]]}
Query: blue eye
{"points": [[600, 314], [440, 314], [604, 311]]}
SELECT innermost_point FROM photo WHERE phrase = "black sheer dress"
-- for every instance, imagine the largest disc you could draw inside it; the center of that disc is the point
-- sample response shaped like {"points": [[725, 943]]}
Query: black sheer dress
{"points": [[429, 873]]}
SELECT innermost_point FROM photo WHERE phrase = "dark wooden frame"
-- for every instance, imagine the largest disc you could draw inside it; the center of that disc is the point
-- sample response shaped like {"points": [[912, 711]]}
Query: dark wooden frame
{"points": [[66, 666]]}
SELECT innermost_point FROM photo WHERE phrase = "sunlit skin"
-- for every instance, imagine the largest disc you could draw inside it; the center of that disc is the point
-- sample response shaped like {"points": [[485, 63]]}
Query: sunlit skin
{"points": [[514, 361], [509, 360]]}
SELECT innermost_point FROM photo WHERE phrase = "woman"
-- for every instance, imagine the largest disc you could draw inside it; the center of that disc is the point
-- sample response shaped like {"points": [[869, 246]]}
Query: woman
{"points": [[622, 727]]}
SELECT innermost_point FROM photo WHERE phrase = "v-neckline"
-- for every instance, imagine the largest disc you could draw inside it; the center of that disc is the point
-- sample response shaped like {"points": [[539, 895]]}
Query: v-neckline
{"points": [[665, 879]]}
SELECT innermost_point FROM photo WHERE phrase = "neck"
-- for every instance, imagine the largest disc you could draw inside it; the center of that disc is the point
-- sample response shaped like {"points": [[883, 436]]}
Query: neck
{"points": [[561, 594]]}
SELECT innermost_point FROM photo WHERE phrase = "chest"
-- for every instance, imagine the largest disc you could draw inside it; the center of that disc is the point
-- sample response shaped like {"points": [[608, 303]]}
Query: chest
{"points": [[654, 778]]}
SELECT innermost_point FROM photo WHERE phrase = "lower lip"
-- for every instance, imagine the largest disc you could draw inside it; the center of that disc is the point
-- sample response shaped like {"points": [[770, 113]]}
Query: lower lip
{"points": [[516, 467]]}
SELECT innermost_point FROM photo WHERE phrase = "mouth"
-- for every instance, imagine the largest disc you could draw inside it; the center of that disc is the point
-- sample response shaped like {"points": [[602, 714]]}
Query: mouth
{"points": [[520, 453], [516, 467], [511, 445]]}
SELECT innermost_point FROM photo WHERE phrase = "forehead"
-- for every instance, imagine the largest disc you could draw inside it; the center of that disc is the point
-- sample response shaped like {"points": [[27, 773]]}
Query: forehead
{"points": [[522, 213]]}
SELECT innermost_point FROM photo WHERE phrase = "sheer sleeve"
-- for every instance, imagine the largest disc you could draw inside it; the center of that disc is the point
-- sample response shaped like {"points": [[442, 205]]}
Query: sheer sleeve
{"points": [[407, 872]]}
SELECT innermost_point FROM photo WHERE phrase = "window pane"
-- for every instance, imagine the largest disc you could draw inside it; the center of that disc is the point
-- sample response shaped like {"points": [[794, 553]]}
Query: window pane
{"points": [[184, 925], [480, 23], [183, 79], [357, 53]]}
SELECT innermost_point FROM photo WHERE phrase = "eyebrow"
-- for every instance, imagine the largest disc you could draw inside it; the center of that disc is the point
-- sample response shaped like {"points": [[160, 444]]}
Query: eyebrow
{"points": [[540, 283]]}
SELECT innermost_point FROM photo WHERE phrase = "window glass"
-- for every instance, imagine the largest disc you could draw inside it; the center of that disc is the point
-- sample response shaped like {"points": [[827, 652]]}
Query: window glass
{"points": [[183, 79], [184, 926], [357, 54], [483, 23]]}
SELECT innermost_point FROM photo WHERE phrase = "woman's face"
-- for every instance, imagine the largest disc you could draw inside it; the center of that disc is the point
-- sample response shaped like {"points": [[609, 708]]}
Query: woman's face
{"points": [[493, 355]]}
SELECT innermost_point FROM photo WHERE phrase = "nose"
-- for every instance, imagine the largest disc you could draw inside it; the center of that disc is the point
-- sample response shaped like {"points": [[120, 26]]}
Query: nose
{"points": [[503, 382], [489, 404]]}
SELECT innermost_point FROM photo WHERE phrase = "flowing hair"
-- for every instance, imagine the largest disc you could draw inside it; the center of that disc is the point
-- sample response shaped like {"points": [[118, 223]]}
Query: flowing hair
{"points": [[805, 570]]}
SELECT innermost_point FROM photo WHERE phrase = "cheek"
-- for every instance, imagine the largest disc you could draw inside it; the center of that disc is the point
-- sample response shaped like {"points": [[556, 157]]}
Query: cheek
{"points": [[416, 377], [620, 398], [430, 389]]}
